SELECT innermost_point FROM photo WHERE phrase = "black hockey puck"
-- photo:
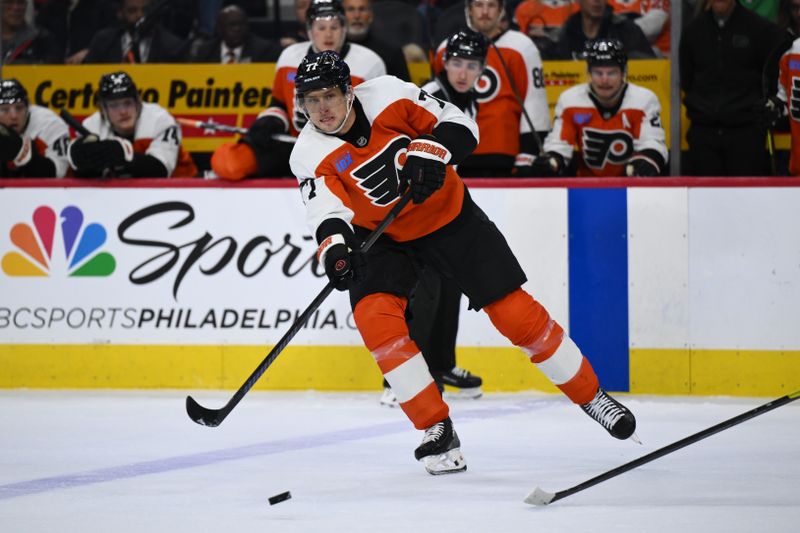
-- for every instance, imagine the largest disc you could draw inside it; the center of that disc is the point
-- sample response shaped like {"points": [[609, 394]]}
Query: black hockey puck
{"points": [[278, 498]]}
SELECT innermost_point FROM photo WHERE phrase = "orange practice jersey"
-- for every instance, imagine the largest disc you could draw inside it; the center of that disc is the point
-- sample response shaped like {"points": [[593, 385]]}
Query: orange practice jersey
{"points": [[364, 65], [789, 93], [157, 134], [547, 14], [656, 10], [359, 184], [606, 144], [500, 117]]}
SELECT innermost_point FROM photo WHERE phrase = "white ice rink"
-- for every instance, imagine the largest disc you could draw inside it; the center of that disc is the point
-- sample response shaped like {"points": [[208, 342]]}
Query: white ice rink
{"points": [[134, 462]]}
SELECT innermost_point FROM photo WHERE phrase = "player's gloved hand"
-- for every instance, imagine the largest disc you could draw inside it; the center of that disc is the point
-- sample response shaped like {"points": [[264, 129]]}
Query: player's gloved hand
{"points": [[90, 153], [523, 165], [549, 164], [769, 112], [14, 148], [425, 167], [641, 167], [259, 136], [342, 264]]}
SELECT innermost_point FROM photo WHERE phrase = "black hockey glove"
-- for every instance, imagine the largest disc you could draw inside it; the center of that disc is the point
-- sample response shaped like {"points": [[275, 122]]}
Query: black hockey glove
{"points": [[769, 112], [341, 263], [11, 145], [425, 168], [259, 136], [641, 167], [548, 165], [90, 153]]}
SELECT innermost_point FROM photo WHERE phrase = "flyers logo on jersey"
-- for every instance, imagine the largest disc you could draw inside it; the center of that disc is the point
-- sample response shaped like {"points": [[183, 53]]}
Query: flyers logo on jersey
{"points": [[487, 85], [379, 175], [601, 146]]}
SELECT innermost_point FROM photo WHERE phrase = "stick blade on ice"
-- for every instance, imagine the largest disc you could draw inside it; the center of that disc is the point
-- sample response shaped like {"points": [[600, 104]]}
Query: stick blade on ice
{"points": [[539, 497], [201, 415]]}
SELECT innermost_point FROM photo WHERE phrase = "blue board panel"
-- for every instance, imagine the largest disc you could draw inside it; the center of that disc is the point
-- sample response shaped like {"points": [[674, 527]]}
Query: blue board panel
{"points": [[598, 281]]}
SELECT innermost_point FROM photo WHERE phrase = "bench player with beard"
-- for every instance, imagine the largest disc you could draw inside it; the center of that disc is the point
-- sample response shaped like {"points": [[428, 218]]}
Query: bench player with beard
{"points": [[360, 148], [616, 125]]}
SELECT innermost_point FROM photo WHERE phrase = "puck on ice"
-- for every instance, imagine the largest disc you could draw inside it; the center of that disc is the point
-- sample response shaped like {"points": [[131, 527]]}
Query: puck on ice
{"points": [[278, 498]]}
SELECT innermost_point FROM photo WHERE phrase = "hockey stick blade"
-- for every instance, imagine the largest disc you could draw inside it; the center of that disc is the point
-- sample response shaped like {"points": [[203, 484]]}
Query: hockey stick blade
{"points": [[542, 497], [214, 417]]}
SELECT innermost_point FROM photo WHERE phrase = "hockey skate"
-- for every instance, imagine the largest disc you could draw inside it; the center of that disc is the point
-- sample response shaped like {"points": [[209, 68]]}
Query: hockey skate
{"points": [[612, 415], [469, 384], [440, 450]]}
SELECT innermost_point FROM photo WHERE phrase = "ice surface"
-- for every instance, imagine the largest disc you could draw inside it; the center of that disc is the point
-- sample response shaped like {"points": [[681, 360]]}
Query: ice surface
{"points": [[134, 462]]}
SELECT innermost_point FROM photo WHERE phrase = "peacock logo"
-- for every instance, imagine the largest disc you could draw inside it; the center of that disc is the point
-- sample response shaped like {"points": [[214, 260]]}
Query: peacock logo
{"points": [[36, 243]]}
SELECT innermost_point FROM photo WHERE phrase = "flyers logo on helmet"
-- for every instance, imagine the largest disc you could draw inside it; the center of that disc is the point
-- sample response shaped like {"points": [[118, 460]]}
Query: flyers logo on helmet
{"points": [[379, 175], [601, 147]]}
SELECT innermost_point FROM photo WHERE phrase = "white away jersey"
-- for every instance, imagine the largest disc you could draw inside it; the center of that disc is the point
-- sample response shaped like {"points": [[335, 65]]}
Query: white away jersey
{"points": [[606, 144], [50, 135], [359, 184], [157, 134]]}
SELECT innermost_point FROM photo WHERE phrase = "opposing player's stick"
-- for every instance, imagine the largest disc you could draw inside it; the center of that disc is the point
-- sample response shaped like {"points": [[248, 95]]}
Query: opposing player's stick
{"points": [[214, 417], [210, 125], [542, 497], [73, 123]]}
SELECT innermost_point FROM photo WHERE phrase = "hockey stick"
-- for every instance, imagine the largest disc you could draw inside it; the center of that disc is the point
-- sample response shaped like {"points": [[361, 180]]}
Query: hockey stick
{"points": [[542, 497], [73, 122], [214, 417], [210, 125]]}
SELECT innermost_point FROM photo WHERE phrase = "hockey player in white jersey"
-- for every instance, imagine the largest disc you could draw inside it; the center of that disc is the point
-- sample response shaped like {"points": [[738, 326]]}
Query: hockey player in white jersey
{"points": [[510, 93], [129, 137], [33, 139], [259, 153], [362, 147], [615, 125]]}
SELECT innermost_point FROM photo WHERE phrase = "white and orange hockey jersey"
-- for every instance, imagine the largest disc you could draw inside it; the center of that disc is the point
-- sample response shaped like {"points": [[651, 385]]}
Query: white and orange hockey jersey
{"points": [[157, 134], [606, 144], [789, 93], [499, 111], [50, 135], [359, 184], [653, 19], [364, 65]]}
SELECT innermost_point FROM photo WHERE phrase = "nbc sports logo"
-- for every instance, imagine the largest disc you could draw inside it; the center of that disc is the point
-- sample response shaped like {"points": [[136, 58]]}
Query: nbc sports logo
{"points": [[35, 246]]}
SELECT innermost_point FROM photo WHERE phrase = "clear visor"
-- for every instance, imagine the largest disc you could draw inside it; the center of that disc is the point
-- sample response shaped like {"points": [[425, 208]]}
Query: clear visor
{"points": [[321, 99]]}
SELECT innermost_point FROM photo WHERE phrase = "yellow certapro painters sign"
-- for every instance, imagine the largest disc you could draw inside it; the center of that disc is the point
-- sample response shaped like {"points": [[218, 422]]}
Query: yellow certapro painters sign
{"points": [[228, 94], [235, 94]]}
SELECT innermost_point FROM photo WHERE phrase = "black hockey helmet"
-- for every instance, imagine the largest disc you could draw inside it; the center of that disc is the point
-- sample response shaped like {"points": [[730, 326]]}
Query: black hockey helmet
{"points": [[117, 85], [325, 9], [605, 53], [12, 91], [466, 44], [322, 71]]}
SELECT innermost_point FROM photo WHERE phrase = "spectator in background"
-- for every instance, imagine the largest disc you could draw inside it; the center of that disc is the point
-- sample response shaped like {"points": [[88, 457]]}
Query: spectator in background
{"points": [[296, 32], [507, 83], [33, 139], [24, 43], [359, 19], [789, 17], [652, 16], [129, 138], [723, 57], [261, 152], [541, 20], [596, 20], [151, 43], [234, 42], [783, 112], [616, 125], [74, 23]]}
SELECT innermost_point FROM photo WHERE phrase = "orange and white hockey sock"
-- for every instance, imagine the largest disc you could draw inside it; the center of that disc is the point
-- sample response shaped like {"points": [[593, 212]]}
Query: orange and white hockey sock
{"points": [[527, 324], [381, 321]]}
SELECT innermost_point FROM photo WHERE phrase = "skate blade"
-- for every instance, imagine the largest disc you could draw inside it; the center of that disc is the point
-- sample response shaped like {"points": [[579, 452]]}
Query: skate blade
{"points": [[635, 438], [463, 394], [450, 462]]}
